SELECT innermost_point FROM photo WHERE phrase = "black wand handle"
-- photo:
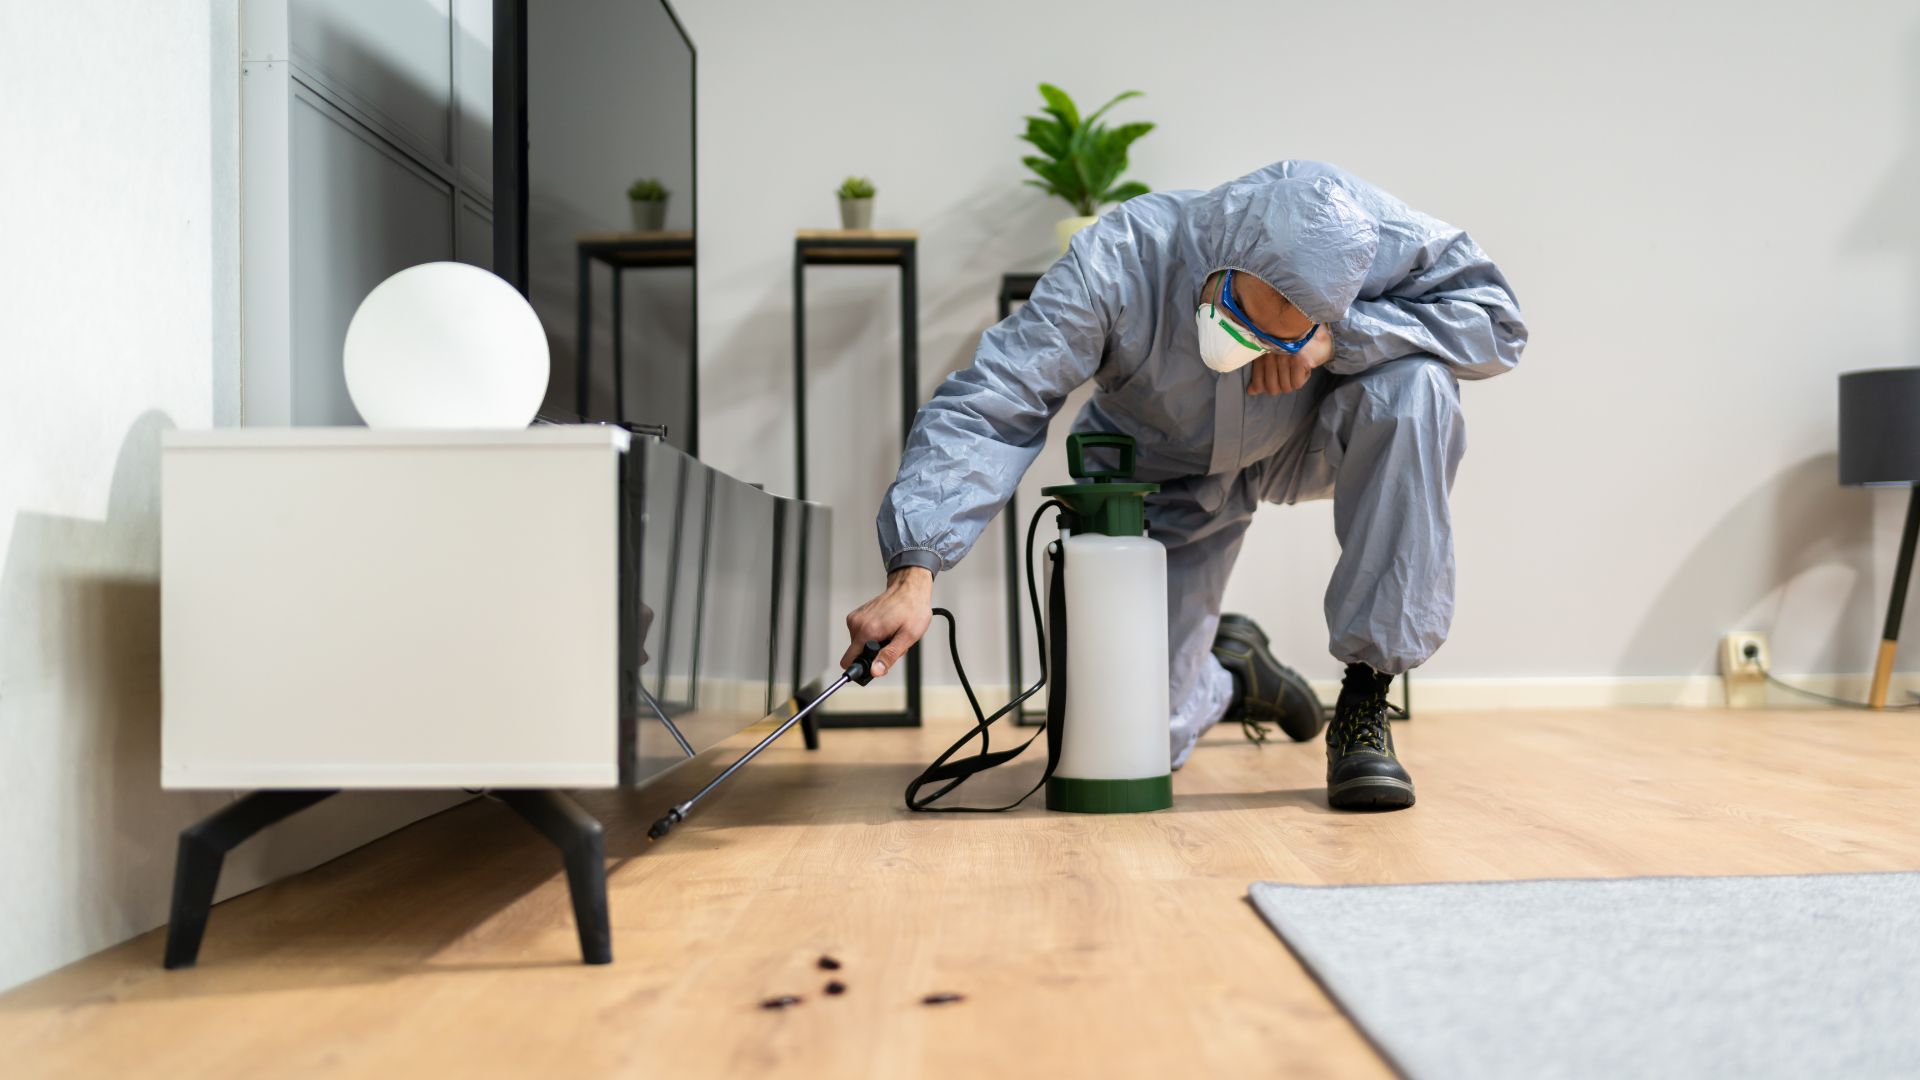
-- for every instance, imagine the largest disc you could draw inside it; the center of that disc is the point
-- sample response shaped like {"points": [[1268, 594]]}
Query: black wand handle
{"points": [[860, 672]]}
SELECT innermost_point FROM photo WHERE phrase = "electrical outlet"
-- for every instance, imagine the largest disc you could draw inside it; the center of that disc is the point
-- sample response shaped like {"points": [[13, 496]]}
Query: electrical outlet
{"points": [[1744, 663], [1744, 652]]}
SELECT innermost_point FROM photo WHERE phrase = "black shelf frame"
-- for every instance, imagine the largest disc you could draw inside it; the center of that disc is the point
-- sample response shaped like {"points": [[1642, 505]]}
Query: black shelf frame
{"points": [[621, 253], [1014, 289], [854, 249]]}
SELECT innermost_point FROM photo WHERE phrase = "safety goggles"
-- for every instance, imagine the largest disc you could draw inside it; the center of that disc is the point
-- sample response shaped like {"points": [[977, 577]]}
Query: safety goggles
{"points": [[1265, 342]]}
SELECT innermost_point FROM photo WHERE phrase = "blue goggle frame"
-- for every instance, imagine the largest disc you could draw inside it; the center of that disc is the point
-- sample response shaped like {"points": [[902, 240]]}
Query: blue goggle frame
{"points": [[1233, 309]]}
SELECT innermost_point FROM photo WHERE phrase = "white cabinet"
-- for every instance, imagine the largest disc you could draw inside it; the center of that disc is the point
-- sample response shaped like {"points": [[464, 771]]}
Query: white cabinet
{"points": [[347, 608]]}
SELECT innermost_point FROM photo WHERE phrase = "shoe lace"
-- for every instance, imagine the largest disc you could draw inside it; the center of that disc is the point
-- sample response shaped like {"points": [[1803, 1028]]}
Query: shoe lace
{"points": [[1253, 720], [1253, 727], [1361, 720]]}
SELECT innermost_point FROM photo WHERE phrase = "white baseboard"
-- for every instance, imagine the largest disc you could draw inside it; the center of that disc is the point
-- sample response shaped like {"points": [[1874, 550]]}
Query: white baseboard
{"points": [[1441, 694]]}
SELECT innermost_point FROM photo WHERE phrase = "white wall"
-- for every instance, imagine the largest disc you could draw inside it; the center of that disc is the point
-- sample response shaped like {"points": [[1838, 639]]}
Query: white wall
{"points": [[1707, 210], [120, 318]]}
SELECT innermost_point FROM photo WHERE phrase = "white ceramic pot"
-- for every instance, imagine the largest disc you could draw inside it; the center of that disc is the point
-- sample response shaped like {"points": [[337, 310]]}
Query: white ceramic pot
{"points": [[856, 213], [649, 216], [1068, 226]]}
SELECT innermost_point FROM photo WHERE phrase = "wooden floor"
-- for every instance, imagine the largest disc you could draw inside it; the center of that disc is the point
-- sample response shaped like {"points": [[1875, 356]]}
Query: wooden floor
{"points": [[1116, 945]]}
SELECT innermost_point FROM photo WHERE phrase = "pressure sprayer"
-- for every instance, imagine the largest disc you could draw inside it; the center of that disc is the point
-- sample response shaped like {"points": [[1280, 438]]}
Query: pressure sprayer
{"points": [[1104, 634], [1103, 644]]}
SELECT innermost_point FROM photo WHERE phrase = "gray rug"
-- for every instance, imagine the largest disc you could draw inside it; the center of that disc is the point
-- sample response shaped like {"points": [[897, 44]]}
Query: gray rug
{"points": [[1669, 977]]}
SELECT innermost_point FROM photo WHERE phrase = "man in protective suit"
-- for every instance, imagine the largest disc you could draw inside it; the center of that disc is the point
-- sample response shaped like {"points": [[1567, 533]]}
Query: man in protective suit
{"points": [[1294, 334]]}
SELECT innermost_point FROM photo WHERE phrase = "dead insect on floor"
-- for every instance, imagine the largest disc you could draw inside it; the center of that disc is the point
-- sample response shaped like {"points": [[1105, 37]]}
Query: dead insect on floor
{"points": [[836, 987], [784, 1001], [942, 999], [828, 963]]}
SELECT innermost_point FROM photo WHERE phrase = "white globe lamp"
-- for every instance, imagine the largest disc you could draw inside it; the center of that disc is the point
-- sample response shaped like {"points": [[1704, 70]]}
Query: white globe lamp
{"points": [[446, 345]]}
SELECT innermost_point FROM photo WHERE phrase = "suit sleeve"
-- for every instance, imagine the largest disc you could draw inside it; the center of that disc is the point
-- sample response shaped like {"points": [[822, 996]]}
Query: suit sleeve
{"points": [[988, 421], [1454, 305]]}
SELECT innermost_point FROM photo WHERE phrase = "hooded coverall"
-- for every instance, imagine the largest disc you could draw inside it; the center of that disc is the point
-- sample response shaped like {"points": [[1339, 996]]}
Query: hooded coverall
{"points": [[1414, 307]]}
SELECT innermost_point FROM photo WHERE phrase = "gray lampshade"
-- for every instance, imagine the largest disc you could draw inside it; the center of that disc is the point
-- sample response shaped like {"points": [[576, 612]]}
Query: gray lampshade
{"points": [[1880, 426]]}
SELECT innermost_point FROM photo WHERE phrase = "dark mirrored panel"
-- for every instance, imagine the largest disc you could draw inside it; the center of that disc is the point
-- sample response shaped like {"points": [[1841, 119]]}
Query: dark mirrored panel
{"points": [[819, 648], [713, 633], [736, 625], [780, 686], [610, 209]]}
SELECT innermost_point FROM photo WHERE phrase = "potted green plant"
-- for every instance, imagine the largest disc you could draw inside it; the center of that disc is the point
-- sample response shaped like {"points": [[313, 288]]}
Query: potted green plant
{"points": [[856, 203], [1081, 159], [649, 201]]}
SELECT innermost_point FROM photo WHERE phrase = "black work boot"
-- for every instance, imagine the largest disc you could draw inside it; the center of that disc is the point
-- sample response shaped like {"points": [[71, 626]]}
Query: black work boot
{"points": [[1264, 690], [1362, 771]]}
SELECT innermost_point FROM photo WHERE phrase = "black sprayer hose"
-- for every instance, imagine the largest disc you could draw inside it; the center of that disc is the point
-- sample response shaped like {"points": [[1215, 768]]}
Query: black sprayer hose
{"points": [[982, 721]]}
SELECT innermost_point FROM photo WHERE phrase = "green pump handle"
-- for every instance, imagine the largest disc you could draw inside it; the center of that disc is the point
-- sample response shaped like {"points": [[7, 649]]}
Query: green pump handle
{"points": [[1078, 444], [1104, 506]]}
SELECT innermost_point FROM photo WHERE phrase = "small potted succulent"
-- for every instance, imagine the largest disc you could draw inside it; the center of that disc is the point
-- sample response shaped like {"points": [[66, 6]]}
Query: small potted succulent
{"points": [[649, 201], [1081, 160], [856, 203]]}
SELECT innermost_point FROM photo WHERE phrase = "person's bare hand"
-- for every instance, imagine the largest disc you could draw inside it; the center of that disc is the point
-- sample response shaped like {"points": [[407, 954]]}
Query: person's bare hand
{"points": [[898, 617], [1283, 373]]}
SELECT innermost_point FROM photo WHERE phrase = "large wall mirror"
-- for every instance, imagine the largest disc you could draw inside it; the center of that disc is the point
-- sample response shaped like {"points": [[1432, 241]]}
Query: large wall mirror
{"points": [[603, 92]]}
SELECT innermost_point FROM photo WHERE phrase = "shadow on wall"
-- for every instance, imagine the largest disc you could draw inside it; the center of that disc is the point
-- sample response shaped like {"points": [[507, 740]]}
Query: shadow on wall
{"points": [[1796, 522], [90, 836], [79, 701]]}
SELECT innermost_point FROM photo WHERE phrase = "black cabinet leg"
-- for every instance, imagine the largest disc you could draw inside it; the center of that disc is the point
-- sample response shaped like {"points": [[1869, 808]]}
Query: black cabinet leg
{"points": [[810, 731], [203, 847], [581, 844]]}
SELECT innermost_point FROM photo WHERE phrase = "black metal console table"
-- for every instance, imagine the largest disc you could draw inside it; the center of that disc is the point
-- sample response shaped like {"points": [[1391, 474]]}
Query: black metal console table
{"points": [[860, 247]]}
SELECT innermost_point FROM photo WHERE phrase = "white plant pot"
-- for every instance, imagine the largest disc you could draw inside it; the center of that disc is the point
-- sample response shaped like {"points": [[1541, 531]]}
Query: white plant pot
{"points": [[1068, 226], [649, 216], [856, 213]]}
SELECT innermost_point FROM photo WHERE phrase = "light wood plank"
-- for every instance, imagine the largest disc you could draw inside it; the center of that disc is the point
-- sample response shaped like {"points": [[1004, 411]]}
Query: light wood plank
{"points": [[856, 234], [1079, 941]]}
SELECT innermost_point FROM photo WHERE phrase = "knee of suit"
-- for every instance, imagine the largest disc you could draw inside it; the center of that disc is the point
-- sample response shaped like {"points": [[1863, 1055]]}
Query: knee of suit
{"points": [[1416, 403], [1415, 386]]}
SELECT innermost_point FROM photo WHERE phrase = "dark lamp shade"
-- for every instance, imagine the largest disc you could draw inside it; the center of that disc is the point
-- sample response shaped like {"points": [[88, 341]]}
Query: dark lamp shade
{"points": [[1880, 426]]}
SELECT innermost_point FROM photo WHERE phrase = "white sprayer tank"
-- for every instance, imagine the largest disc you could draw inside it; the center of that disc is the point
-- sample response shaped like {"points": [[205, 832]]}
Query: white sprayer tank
{"points": [[1115, 755]]}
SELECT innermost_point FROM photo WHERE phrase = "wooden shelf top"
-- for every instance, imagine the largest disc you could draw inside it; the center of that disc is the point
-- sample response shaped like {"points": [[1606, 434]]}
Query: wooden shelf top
{"points": [[856, 234], [660, 236]]}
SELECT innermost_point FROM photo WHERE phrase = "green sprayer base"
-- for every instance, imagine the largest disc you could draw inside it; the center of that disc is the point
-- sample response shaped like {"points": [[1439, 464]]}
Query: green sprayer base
{"points": [[1073, 795]]}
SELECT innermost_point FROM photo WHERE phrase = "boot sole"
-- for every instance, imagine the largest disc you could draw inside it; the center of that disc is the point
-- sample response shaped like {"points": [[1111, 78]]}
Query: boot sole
{"points": [[1371, 793]]}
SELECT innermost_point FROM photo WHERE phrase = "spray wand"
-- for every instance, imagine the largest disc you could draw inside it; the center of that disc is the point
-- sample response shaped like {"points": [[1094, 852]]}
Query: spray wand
{"points": [[860, 671]]}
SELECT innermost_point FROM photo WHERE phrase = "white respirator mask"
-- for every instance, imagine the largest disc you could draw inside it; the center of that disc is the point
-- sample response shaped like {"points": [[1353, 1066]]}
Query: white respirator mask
{"points": [[1224, 345]]}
